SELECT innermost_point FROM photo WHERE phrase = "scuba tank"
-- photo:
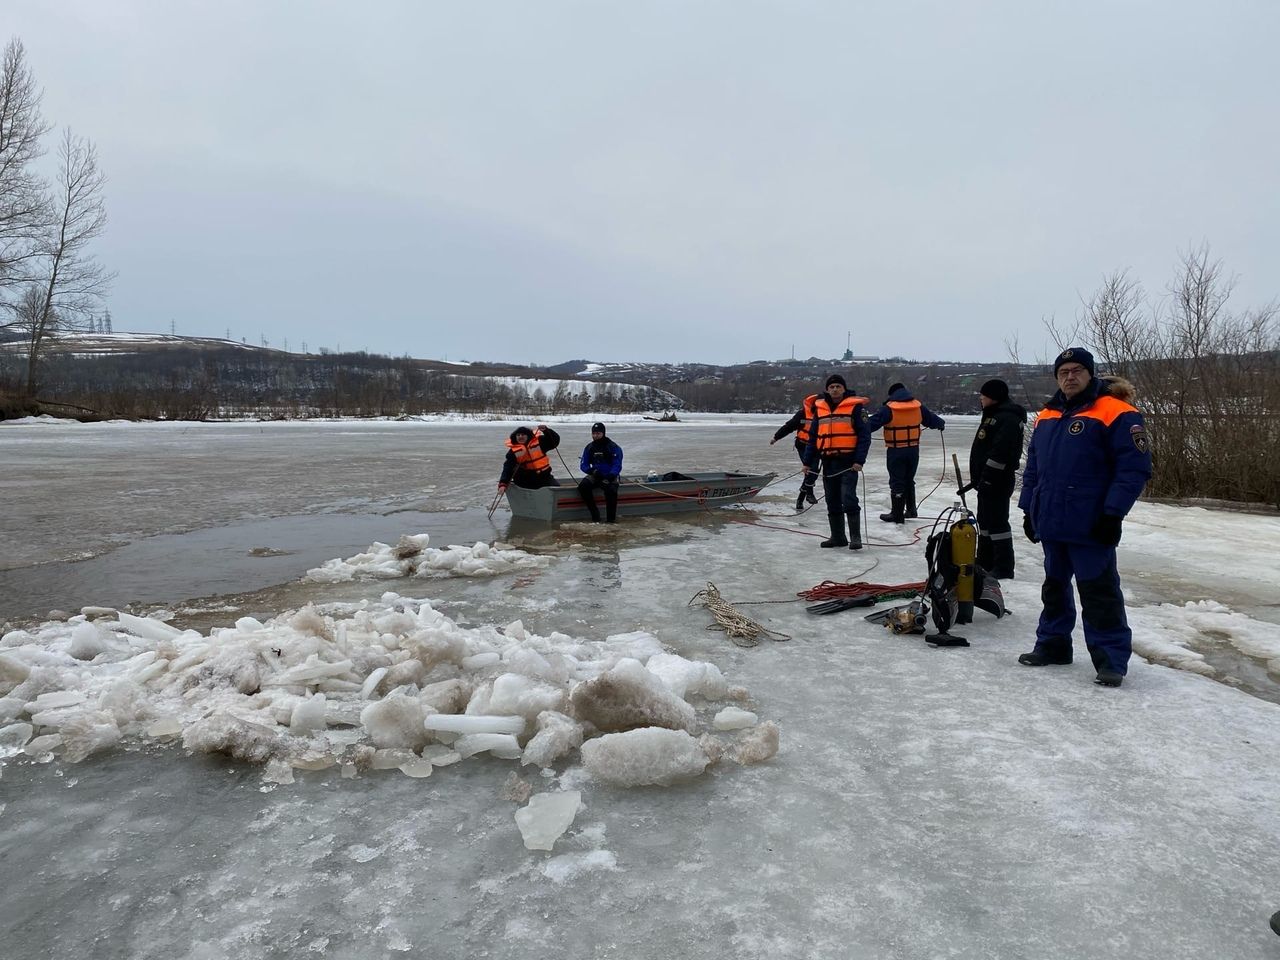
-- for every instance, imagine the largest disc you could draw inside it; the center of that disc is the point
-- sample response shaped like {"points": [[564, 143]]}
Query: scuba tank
{"points": [[964, 553]]}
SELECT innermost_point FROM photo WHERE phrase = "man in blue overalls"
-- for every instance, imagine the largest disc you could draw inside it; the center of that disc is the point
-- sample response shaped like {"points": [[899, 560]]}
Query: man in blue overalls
{"points": [[1088, 461]]}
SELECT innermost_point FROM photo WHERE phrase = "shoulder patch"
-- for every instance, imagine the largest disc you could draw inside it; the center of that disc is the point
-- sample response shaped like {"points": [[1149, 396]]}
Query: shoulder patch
{"points": [[982, 433], [1138, 434]]}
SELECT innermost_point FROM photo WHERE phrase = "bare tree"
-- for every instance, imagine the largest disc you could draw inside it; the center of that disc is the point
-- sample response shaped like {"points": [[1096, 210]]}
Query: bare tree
{"points": [[22, 201], [68, 281]]}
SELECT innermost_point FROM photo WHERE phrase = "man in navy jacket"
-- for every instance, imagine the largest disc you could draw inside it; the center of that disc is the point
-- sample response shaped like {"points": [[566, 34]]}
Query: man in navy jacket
{"points": [[600, 466], [1087, 464]]}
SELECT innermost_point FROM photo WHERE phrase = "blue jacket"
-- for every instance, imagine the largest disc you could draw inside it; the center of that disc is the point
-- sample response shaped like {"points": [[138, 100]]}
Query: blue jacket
{"points": [[604, 459], [1088, 457], [882, 416]]}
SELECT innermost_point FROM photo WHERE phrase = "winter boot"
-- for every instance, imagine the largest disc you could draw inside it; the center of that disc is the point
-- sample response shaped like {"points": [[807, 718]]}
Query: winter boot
{"points": [[1038, 658], [800, 501], [855, 529], [1002, 559], [807, 490], [910, 513], [896, 511], [836, 522], [1108, 678]]}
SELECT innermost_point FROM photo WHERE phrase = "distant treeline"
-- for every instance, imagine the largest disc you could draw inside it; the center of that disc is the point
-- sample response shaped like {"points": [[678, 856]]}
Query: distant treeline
{"points": [[200, 384]]}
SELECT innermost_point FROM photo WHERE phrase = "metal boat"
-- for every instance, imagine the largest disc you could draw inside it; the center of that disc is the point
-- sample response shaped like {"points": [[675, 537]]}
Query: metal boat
{"points": [[640, 496]]}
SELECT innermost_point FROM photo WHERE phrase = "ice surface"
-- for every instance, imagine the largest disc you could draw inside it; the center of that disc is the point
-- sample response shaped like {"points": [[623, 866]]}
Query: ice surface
{"points": [[546, 817], [895, 822], [644, 757], [474, 724], [502, 745]]}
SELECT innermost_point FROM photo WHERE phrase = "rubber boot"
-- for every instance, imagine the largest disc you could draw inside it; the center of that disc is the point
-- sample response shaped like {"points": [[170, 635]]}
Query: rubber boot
{"points": [[1002, 559], [807, 490], [855, 529], [836, 521], [910, 513], [896, 510]]}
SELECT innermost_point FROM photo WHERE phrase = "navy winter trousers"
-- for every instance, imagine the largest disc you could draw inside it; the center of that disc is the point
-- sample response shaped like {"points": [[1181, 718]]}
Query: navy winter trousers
{"points": [[1106, 629]]}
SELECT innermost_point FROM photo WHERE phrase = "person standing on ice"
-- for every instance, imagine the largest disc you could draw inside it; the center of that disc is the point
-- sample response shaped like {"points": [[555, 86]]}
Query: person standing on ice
{"points": [[839, 441], [993, 466], [800, 422], [902, 417], [1088, 461], [527, 464], [600, 466]]}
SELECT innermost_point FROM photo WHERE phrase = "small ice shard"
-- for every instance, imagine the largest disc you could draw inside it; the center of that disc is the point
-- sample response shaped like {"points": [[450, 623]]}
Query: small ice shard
{"points": [[757, 745], [461, 723], [50, 741], [87, 642], [516, 789], [168, 727], [55, 701], [734, 718], [416, 768], [557, 735], [515, 630], [502, 745], [87, 733], [546, 817], [147, 628], [395, 721], [278, 771], [391, 759], [481, 660], [650, 755], [15, 735], [308, 716]]}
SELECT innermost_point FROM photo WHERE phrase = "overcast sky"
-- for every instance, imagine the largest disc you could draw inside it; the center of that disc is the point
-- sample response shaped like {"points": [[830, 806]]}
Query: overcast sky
{"points": [[706, 181]]}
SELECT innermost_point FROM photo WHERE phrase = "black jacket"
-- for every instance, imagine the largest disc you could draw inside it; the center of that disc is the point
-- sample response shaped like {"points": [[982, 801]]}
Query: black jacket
{"points": [[997, 448], [513, 472]]}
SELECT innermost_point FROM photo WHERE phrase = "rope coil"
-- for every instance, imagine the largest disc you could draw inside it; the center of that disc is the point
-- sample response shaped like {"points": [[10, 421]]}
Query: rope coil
{"points": [[739, 628]]}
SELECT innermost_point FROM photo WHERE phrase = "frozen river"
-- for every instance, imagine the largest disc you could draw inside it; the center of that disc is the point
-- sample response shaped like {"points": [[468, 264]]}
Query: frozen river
{"points": [[924, 803]]}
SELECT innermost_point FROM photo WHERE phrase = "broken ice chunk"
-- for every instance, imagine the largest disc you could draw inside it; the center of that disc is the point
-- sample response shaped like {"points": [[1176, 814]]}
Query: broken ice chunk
{"points": [[546, 817], [734, 718], [649, 755], [502, 745], [458, 723]]}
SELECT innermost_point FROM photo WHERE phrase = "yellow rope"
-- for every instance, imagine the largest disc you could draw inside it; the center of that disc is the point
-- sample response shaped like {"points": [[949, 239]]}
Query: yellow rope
{"points": [[741, 629]]}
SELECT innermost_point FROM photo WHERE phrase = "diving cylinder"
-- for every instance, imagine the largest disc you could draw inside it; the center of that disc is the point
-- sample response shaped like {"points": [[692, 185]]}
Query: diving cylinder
{"points": [[964, 552]]}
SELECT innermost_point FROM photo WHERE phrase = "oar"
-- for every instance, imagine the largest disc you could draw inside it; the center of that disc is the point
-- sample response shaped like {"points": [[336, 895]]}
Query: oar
{"points": [[494, 506]]}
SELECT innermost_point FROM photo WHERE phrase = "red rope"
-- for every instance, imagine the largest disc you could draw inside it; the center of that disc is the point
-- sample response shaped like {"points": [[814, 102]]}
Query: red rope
{"points": [[839, 589]]}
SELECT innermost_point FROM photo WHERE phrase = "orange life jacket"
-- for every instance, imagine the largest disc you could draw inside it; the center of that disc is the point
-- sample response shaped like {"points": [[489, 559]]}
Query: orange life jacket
{"points": [[529, 456], [904, 429], [835, 427], [802, 434]]}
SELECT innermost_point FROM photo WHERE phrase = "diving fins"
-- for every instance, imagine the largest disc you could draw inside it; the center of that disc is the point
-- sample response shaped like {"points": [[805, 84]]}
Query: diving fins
{"points": [[843, 603]]}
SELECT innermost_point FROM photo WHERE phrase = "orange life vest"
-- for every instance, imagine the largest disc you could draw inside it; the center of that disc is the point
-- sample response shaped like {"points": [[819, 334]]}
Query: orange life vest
{"points": [[835, 427], [802, 434], [904, 429], [529, 456]]}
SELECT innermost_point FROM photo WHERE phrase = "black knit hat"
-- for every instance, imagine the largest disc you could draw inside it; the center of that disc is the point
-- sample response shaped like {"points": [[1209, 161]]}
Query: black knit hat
{"points": [[997, 390], [836, 378], [894, 387], [597, 427], [1074, 355]]}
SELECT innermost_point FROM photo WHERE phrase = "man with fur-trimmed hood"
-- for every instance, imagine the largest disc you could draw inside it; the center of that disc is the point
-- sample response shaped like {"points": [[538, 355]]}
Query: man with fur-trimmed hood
{"points": [[1088, 461]]}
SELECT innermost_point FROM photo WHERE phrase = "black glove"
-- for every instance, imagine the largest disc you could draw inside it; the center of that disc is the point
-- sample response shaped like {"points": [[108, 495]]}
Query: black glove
{"points": [[1106, 530], [965, 489], [1028, 529]]}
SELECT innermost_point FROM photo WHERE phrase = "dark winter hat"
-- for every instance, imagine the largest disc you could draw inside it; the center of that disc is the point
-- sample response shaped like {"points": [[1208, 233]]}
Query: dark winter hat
{"points": [[836, 378], [597, 427], [519, 430], [997, 390], [1074, 355], [894, 387]]}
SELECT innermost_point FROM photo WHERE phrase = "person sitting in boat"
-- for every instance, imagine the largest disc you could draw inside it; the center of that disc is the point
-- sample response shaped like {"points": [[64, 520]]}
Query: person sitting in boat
{"points": [[527, 464], [601, 464]]}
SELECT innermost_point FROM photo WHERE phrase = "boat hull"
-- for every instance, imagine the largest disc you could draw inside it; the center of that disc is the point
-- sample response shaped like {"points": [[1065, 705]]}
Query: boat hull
{"points": [[639, 497]]}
